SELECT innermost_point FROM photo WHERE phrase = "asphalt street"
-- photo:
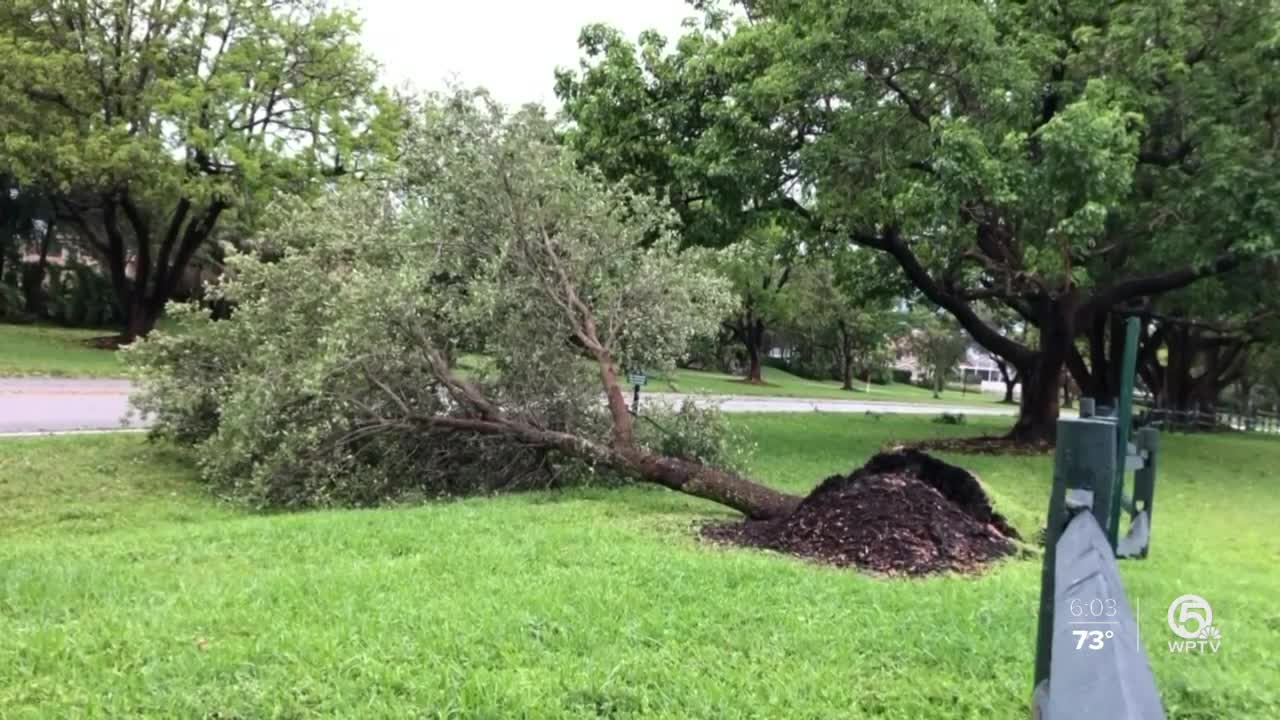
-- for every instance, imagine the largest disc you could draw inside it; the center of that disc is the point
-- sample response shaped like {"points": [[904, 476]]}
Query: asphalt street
{"points": [[40, 405], [50, 404]]}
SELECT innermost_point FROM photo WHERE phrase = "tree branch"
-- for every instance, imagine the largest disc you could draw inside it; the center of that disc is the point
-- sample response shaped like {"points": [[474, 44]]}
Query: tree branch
{"points": [[142, 241], [989, 337], [1155, 283], [913, 105]]}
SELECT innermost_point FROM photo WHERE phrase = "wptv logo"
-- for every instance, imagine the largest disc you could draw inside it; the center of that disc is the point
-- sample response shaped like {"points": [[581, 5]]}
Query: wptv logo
{"points": [[1191, 619]]}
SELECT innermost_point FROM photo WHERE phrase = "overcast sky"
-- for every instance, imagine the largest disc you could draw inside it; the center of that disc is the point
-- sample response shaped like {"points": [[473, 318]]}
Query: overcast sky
{"points": [[512, 47]]}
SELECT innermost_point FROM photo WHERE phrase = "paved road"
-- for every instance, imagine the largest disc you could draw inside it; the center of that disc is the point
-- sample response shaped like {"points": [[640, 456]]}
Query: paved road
{"points": [[47, 404], [749, 403], [36, 405]]}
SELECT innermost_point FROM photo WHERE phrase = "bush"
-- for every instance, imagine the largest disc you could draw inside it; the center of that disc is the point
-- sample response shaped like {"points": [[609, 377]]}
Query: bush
{"points": [[901, 376], [185, 372], [881, 376], [81, 296], [11, 301]]}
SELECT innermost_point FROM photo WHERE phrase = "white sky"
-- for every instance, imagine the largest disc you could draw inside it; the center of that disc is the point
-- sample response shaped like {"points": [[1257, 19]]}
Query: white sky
{"points": [[511, 47]]}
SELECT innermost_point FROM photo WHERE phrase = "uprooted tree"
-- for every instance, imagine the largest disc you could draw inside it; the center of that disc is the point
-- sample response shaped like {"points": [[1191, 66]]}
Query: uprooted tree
{"points": [[472, 319]]}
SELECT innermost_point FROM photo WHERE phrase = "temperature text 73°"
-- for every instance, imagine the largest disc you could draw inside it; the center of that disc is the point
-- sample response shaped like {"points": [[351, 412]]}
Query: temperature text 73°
{"points": [[1094, 638]]}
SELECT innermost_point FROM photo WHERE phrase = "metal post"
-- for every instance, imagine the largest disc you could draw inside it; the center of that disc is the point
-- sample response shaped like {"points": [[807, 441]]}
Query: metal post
{"points": [[1087, 408], [1144, 480], [1083, 463], [1124, 409]]}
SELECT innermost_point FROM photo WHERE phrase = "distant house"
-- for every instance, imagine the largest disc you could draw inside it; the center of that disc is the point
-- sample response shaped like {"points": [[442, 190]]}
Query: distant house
{"points": [[978, 366]]}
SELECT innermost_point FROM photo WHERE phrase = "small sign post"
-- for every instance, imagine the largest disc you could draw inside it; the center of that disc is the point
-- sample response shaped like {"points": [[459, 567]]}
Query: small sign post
{"points": [[638, 379]]}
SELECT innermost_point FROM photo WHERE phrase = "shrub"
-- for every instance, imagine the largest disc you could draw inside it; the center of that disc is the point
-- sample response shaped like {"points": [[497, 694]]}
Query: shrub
{"points": [[882, 376], [81, 296], [184, 373], [11, 303]]}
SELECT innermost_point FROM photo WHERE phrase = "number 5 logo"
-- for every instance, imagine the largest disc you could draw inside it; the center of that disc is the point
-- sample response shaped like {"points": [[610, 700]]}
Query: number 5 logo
{"points": [[1186, 608]]}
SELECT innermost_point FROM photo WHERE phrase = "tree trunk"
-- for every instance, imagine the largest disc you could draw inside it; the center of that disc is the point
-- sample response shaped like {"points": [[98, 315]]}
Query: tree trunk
{"points": [[751, 499], [846, 357], [141, 319], [34, 298], [755, 372], [937, 382], [1009, 380], [158, 267], [755, 351], [1038, 412], [750, 331], [756, 501]]}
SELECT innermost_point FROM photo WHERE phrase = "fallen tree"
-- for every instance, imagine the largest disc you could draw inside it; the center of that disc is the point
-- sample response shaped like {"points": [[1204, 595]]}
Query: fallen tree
{"points": [[468, 322]]}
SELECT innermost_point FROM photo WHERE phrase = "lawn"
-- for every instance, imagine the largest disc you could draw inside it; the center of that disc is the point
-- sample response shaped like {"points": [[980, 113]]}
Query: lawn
{"points": [[783, 384], [54, 351], [126, 592]]}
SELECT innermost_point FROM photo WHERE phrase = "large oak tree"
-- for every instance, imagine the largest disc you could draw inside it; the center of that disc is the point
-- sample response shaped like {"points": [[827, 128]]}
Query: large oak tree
{"points": [[659, 119], [153, 121], [1059, 159]]}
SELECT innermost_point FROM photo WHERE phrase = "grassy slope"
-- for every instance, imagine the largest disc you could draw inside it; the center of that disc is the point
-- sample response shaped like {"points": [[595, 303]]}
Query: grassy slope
{"points": [[124, 592], [56, 351], [783, 384]]}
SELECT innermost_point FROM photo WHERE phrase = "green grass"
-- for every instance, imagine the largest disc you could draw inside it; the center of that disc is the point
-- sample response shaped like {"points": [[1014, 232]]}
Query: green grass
{"points": [[781, 383], [125, 592], [54, 351]]}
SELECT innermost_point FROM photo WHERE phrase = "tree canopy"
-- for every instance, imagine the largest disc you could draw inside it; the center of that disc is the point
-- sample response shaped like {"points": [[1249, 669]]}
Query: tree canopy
{"points": [[1060, 159], [149, 122]]}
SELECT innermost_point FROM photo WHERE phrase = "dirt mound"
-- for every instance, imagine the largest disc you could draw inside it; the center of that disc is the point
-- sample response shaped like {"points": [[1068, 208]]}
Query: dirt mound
{"points": [[901, 513]]}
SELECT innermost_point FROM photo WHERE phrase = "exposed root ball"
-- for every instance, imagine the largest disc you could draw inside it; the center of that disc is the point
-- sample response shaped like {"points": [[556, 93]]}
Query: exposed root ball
{"points": [[901, 513]]}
